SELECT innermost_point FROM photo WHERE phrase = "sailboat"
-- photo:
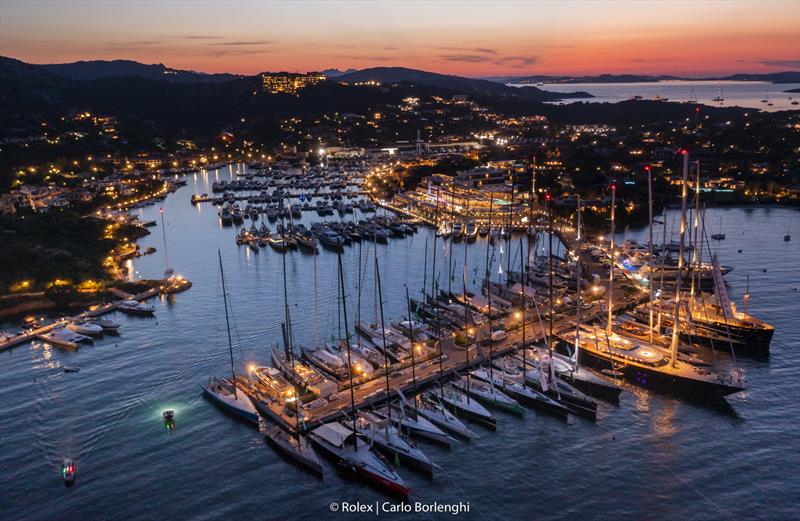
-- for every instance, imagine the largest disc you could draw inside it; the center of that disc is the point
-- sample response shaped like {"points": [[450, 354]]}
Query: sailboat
{"points": [[461, 403], [293, 445], [353, 452], [414, 424], [346, 445], [569, 368], [384, 435], [642, 363], [224, 392]]}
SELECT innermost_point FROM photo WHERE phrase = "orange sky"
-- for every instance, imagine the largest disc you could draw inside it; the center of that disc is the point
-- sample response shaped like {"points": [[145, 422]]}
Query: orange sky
{"points": [[467, 38]]}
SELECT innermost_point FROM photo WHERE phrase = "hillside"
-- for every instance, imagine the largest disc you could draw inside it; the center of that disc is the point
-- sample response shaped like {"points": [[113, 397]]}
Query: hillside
{"points": [[97, 69], [456, 83]]}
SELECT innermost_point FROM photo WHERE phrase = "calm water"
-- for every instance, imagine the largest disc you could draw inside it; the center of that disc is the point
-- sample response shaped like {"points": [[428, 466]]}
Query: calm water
{"points": [[649, 457], [747, 94]]}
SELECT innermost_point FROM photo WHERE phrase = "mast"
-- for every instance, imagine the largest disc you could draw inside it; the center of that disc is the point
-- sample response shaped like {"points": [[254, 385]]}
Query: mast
{"points": [[287, 333], [227, 323], [695, 261], [650, 245], [435, 296], [347, 342], [383, 334], [167, 269], [676, 314], [578, 281], [464, 280], [510, 227], [550, 270], [611, 267], [411, 336]]}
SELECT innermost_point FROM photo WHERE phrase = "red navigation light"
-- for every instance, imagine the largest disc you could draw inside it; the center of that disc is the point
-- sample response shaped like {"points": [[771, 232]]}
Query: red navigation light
{"points": [[547, 196], [697, 109], [683, 151], [647, 168], [613, 186]]}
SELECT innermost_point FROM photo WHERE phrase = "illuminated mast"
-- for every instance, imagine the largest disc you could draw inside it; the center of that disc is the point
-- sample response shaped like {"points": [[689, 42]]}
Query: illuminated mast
{"points": [[676, 314], [611, 267]]}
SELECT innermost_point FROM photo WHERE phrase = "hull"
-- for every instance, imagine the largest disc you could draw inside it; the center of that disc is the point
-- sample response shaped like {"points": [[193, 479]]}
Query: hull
{"points": [[305, 456], [230, 407], [650, 378]]}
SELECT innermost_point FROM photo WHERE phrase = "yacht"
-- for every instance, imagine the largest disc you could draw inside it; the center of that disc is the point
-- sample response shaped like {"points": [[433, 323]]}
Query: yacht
{"points": [[133, 307]]}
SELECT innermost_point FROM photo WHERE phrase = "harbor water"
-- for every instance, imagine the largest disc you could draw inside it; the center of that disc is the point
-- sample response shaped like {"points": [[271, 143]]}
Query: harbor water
{"points": [[650, 457], [748, 94]]}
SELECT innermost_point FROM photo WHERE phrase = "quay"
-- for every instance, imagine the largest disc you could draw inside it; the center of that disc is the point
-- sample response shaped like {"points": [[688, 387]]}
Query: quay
{"points": [[456, 360], [167, 286]]}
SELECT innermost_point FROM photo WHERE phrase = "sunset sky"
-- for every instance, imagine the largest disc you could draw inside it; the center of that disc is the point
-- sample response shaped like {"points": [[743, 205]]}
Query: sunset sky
{"points": [[473, 38]]}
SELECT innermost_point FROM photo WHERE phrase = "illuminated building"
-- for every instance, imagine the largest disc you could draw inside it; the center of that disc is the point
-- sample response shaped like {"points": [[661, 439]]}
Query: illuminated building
{"points": [[285, 83]]}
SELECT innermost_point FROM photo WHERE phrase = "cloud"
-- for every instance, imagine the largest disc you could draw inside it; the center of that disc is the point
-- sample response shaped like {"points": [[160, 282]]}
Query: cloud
{"points": [[790, 64], [516, 62], [194, 37], [243, 43], [466, 58], [135, 43]]}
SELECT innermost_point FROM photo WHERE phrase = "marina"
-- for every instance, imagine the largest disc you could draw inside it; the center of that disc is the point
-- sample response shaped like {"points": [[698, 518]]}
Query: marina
{"points": [[461, 392]]}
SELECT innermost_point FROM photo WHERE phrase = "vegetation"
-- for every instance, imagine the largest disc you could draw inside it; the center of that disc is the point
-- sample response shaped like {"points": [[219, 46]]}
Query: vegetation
{"points": [[51, 251]]}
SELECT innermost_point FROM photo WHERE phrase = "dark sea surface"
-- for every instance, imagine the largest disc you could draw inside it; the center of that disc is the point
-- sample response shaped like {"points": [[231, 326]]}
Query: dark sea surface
{"points": [[770, 97], [650, 457]]}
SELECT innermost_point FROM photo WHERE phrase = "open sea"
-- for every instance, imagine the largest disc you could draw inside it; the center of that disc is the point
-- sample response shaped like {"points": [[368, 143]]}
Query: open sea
{"points": [[650, 457], [748, 94]]}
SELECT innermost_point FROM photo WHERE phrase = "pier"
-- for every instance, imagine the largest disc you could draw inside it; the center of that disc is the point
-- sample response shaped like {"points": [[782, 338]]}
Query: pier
{"points": [[167, 286]]}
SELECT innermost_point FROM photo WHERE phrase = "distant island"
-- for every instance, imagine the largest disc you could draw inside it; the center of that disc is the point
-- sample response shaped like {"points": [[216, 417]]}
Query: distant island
{"points": [[772, 77]]}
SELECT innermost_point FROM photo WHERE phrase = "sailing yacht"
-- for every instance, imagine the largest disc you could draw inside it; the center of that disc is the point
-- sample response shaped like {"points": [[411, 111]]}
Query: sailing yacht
{"points": [[353, 451], [224, 392], [384, 435]]}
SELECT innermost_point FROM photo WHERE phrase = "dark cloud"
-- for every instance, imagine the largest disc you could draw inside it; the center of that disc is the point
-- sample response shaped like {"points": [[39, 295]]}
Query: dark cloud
{"points": [[789, 64], [219, 53], [195, 37], [512, 61], [135, 43], [466, 58], [243, 43]]}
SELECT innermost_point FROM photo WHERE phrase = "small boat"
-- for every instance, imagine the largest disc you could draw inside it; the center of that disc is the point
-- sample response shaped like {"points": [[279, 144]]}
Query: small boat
{"points": [[107, 324], [63, 337], [223, 393], [85, 328], [330, 238], [458, 231], [133, 307], [69, 469], [168, 415], [71, 369], [787, 238], [471, 231], [296, 449], [353, 452], [718, 236]]}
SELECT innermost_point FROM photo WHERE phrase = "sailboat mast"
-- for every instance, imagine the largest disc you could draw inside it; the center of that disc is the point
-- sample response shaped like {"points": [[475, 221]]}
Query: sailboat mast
{"points": [[347, 343], [578, 287], [411, 335], [550, 270], [383, 335], [227, 323], [650, 245], [434, 293], [164, 235], [695, 261], [611, 265], [510, 227], [676, 314]]}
